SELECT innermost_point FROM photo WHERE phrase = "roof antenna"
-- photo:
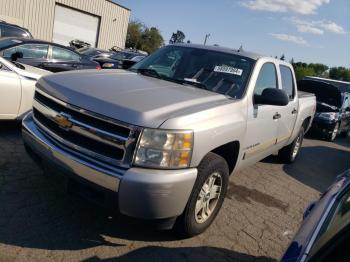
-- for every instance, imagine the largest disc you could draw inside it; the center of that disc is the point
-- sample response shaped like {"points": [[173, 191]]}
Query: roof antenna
{"points": [[240, 49]]}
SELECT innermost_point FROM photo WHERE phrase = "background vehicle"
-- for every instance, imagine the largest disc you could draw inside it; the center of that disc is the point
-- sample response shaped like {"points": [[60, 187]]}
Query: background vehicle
{"points": [[77, 44], [124, 59], [166, 135], [45, 55], [17, 85], [333, 107], [95, 52], [11, 30], [325, 232]]}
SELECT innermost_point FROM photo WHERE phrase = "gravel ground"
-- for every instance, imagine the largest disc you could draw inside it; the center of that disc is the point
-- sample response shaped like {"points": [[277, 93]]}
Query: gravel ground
{"points": [[261, 213]]}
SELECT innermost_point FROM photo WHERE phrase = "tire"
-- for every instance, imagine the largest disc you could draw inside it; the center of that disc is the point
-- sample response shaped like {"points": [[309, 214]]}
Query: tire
{"points": [[193, 222], [331, 137], [289, 153], [345, 134]]}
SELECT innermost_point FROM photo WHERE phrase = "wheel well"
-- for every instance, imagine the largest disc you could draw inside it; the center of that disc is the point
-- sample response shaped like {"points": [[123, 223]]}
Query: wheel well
{"points": [[229, 152], [306, 123]]}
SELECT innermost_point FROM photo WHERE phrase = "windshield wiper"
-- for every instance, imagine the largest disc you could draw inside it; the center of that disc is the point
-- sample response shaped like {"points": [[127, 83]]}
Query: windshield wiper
{"points": [[149, 72], [192, 82]]}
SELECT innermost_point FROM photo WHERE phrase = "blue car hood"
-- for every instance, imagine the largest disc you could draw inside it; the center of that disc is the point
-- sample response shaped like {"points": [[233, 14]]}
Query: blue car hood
{"points": [[297, 248]]}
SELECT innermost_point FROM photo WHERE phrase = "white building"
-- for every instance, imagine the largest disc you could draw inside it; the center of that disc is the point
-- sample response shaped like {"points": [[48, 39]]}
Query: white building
{"points": [[101, 23]]}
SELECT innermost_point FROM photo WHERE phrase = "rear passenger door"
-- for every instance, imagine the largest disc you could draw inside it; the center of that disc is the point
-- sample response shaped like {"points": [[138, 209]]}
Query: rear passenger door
{"points": [[63, 60], [288, 113]]}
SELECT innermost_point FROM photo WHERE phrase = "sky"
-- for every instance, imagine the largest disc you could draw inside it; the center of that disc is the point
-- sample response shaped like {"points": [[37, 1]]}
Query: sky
{"points": [[315, 31]]}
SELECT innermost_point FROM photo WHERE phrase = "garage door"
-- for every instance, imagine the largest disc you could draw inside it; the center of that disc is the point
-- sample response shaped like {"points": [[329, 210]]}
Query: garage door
{"points": [[70, 24]]}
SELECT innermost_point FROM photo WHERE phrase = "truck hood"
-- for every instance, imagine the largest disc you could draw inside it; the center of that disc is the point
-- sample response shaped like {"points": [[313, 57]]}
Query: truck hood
{"points": [[126, 96]]}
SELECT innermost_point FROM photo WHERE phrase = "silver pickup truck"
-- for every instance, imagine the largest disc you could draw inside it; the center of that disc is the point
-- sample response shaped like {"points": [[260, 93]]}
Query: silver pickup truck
{"points": [[165, 136]]}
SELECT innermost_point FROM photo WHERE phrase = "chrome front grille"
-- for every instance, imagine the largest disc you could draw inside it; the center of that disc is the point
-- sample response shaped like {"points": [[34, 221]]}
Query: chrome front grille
{"points": [[94, 136]]}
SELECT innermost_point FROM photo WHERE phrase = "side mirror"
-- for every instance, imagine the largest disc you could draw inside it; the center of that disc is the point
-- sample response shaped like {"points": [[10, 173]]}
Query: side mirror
{"points": [[16, 55], [272, 96]]}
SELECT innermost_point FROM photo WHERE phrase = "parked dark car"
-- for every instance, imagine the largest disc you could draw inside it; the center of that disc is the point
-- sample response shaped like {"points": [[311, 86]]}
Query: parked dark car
{"points": [[11, 30], [124, 60], [332, 116], [325, 232], [46, 55], [77, 44], [95, 52]]}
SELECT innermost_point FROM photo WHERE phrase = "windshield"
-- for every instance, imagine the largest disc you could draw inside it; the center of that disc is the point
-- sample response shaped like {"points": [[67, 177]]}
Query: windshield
{"points": [[215, 71], [123, 55], [89, 51], [5, 43]]}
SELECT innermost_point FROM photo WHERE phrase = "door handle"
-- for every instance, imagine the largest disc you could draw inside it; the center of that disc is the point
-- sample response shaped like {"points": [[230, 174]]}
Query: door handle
{"points": [[294, 111], [277, 116], [74, 65]]}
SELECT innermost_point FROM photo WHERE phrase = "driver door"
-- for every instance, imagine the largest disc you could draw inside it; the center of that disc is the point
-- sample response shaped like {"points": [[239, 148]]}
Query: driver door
{"points": [[262, 123], [10, 89]]}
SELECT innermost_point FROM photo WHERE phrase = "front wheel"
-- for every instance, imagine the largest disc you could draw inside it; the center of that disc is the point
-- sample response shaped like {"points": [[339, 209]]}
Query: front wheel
{"points": [[289, 153], [207, 196]]}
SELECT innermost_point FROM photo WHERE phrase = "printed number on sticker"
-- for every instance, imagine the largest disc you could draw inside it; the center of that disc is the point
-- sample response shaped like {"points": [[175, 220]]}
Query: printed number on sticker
{"points": [[228, 70]]}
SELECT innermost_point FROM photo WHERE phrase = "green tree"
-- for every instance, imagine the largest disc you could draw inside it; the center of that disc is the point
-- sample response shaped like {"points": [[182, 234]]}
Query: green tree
{"points": [[320, 69], [177, 37], [151, 40], [139, 36], [301, 72], [339, 73], [134, 34]]}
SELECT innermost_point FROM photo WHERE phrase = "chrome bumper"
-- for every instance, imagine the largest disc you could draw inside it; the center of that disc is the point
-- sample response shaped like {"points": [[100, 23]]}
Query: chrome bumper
{"points": [[142, 193], [48, 151]]}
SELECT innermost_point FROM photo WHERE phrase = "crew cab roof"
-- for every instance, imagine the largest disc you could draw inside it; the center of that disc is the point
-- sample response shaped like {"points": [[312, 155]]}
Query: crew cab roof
{"points": [[250, 55]]}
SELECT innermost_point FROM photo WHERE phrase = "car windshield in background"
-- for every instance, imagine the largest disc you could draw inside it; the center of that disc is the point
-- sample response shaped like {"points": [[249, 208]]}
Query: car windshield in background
{"points": [[123, 55], [5, 43], [215, 71], [90, 51]]}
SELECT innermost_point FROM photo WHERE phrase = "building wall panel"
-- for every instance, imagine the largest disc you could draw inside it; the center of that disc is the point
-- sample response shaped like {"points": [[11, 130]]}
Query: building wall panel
{"points": [[38, 17]]}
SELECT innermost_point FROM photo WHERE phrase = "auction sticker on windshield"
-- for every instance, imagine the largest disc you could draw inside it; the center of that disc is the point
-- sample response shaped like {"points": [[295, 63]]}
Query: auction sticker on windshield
{"points": [[228, 70]]}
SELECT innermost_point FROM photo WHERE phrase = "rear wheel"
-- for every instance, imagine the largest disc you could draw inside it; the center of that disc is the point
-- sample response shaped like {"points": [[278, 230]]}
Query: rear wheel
{"points": [[289, 153], [206, 198], [332, 136], [345, 134]]}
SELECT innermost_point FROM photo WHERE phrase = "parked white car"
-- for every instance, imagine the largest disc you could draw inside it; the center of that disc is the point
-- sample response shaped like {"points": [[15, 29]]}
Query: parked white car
{"points": [[17, 85]]}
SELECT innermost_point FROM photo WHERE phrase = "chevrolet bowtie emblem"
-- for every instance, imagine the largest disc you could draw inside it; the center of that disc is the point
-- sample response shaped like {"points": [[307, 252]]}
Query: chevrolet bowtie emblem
{"points": [[63, 121]]}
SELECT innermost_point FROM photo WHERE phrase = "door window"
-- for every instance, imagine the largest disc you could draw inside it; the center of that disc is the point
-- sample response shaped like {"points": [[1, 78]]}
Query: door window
{"points": [[34, 51], [287, 81], [267, 78], [63, 54]]}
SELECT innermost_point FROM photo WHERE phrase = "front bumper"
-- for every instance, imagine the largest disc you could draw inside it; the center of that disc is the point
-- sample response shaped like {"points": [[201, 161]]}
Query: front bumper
{"points": [[322, 126], [142, 193]]}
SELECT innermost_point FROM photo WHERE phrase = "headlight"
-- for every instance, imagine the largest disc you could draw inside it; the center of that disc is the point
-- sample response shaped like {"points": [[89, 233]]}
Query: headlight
{"points": [[328, 116], [107, 65], [164, 149]]}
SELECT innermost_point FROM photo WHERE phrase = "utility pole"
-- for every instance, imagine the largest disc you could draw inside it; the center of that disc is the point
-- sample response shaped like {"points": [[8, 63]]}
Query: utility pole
{"points": [[206, 38]]}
